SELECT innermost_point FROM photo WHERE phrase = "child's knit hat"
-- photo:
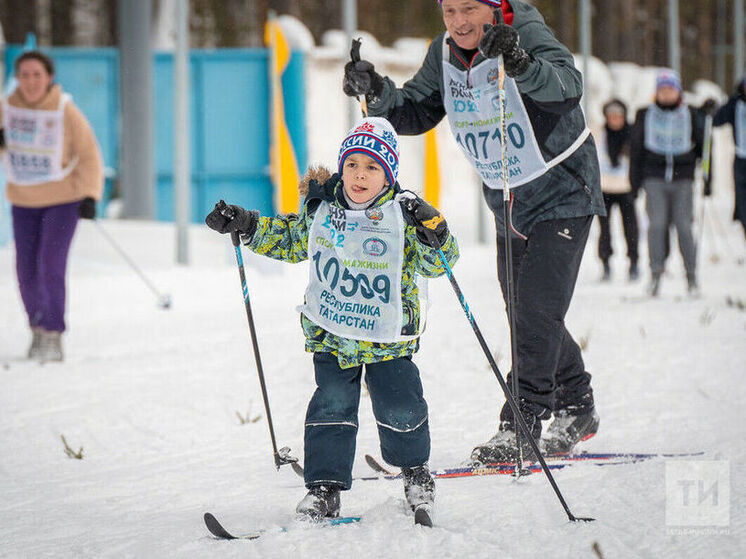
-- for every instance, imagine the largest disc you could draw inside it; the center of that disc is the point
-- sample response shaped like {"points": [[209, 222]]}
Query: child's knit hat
{"points": [[376, 138]]}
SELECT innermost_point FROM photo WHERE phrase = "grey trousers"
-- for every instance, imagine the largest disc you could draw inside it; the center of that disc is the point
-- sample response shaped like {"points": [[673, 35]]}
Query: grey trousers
{"points": [[666, 203]]}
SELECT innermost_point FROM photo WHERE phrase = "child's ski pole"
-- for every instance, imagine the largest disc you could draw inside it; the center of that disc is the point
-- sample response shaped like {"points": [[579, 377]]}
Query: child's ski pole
{"points": [[283, 455]]}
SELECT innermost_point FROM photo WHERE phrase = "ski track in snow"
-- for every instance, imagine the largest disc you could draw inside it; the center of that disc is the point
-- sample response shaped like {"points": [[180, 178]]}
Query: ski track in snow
{"points": [[152, 397]]}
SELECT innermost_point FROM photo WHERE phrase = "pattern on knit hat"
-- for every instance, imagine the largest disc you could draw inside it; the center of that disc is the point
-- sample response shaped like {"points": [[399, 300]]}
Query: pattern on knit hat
{"points": [[376, 138], [668, 77], [493, 3]]}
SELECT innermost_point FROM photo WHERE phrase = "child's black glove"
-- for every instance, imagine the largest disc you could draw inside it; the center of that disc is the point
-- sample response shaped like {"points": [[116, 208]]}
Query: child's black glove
{"points": [[87, 208], [426, 219], [361, 78], [501, 38], [226, 218]]}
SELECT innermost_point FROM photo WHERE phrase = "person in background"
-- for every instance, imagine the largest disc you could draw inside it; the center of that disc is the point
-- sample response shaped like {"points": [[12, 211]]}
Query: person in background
{"points": [[55, 175], [666, 144], [613, 152], [734, 113], [554, 190]]}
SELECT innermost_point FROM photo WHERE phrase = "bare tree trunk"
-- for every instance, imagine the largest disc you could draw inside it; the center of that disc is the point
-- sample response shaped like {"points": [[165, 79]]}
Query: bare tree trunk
{"points": [[63, 28], [630, 35], [606, 30], [290, 7], [568, 17], [19, 18]]}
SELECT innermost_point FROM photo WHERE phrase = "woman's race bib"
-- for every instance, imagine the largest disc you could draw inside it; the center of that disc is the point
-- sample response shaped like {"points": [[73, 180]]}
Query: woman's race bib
{"points": [[614, 180], [33, 144]]}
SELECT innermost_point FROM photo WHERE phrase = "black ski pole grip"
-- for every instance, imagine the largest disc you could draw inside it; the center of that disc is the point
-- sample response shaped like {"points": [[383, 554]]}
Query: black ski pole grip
{"points": [[355, 50]]}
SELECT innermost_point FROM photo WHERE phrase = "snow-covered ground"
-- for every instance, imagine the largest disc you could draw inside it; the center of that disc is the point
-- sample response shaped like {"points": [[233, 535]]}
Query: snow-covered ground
{"points": [[152, 395]]}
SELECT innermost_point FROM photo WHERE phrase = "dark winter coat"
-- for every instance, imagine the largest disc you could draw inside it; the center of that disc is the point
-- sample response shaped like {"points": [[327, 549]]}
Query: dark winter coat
{"points": [[727, 113], [551, 89]]}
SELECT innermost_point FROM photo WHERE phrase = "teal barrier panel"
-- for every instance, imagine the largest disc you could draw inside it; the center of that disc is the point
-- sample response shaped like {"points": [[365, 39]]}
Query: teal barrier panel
{"points": [[229, 128]]}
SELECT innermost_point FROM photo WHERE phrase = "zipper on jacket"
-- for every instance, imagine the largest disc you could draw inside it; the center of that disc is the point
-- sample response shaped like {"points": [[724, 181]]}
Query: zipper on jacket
{"points": [[466, 65]]}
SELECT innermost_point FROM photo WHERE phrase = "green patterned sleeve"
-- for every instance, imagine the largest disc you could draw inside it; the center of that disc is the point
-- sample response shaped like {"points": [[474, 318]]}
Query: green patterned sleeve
{"points": [[427, 260], [284, 237]]}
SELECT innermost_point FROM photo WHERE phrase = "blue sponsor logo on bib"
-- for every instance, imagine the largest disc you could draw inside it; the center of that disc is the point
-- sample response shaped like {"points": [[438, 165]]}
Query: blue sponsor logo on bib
{"points": [[374, 247]]}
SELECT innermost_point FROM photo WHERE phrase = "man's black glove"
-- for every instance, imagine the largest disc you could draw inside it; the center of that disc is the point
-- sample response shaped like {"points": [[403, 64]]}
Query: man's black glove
{"points": [[503, 39], [426, 219], [226, 218], [709, 107], [361, 78], [87, 208]]}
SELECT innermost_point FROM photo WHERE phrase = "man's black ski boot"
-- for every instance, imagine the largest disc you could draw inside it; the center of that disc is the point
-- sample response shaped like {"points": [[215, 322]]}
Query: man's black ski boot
{"points": [[572, 424], [502, 448], [321, 501]]}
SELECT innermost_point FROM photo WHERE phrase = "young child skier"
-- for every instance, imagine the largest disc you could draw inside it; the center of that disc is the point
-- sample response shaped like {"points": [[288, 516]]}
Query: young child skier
{"points": [[366, 244]]}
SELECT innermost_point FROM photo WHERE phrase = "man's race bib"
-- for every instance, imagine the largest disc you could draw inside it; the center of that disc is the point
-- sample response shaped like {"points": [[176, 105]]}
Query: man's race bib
{"points": [[473, 110], [355, 272], [33, 144]]}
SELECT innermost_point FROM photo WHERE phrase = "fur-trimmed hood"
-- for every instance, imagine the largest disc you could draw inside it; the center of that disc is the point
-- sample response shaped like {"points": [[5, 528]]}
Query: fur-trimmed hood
{"points": [[317, 173]]}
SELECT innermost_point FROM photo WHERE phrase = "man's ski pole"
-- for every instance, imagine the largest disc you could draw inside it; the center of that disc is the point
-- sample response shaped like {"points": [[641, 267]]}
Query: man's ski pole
{"points": [[281, 456], [164, 300], [519, 471], [508, 396], [355, 57]]}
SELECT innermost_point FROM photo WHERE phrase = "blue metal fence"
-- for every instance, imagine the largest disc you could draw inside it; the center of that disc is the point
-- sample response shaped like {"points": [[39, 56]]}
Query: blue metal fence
{"points": [[229, 120]]}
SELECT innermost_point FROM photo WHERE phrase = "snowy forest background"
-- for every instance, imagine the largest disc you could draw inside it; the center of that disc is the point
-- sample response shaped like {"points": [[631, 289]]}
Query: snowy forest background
{"points": [[623, 30]]}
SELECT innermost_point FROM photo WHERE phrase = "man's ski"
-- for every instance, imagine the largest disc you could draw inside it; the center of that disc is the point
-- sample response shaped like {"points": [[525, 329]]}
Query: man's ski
{"points": [[555, 462], [217, 530]]}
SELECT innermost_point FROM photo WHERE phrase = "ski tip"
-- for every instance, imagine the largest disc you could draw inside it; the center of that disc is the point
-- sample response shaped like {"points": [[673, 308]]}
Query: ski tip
{"points": [[422, 516], [215, 528], [376, 466]]}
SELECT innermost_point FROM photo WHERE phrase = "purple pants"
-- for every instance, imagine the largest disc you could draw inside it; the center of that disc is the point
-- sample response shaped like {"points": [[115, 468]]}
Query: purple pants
{"points": [[43, 237]]}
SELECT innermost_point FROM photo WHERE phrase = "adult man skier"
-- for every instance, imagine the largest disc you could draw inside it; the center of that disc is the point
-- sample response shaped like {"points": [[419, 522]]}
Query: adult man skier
{"points": [[554, 181]]}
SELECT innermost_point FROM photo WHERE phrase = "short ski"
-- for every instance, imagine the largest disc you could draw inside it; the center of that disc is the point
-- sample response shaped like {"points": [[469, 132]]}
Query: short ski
{"points": [[376, 465], [297, 468], [217, 530]]}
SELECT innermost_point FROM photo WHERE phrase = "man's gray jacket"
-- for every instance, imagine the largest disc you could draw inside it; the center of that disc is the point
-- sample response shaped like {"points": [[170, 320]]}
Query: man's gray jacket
{"points": [[551, 89]]}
